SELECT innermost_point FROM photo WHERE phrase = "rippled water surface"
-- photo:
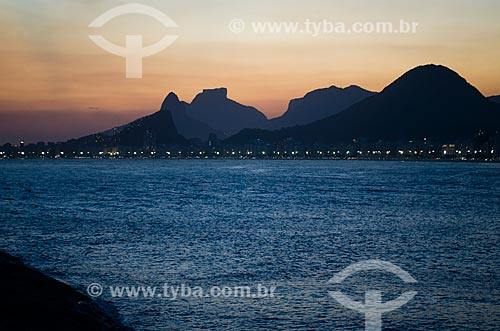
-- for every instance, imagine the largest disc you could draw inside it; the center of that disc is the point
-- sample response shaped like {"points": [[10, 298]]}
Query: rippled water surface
{"points": [[291, 224]]}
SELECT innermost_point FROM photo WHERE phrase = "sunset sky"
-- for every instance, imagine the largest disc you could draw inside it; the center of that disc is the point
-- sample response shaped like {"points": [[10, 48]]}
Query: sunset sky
{"points": [[49, 64]]}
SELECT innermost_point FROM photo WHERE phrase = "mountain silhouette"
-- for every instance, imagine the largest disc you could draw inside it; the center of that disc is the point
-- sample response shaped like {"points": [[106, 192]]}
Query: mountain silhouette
{"points": [[429, 101], [319, 104], [495, 98], [213, 108], [187, 126], [211, 112]]}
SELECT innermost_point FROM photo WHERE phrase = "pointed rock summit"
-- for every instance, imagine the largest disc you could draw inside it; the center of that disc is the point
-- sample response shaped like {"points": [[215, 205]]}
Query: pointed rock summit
{"points": [[172, 103]]}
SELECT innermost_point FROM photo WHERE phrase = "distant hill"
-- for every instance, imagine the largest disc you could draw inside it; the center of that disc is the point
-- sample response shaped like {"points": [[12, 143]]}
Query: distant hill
{"points": [[213, 108], [319, 104], [495, 98], [429, 101], [154, 130]]}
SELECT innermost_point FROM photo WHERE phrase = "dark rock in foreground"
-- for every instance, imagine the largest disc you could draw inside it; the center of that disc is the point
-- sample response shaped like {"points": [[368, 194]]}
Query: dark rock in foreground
{"points": [[32, 301]]}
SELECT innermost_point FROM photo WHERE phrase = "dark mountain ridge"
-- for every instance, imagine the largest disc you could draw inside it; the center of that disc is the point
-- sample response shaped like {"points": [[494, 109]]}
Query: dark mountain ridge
{"points": [[212, 112], [429, 101], [319, 104]]}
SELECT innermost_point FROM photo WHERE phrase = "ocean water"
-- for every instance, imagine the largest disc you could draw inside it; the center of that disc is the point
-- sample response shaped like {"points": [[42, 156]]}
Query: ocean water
{"points": [[289, 224]]}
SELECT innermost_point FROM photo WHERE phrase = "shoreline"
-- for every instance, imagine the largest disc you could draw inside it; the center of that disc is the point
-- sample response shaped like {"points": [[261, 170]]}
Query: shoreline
{"points": [[430, 160]]}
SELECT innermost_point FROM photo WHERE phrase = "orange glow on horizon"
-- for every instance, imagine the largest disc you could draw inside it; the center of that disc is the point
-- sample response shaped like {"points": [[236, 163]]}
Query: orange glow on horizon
{"points": [[48, 62]]}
